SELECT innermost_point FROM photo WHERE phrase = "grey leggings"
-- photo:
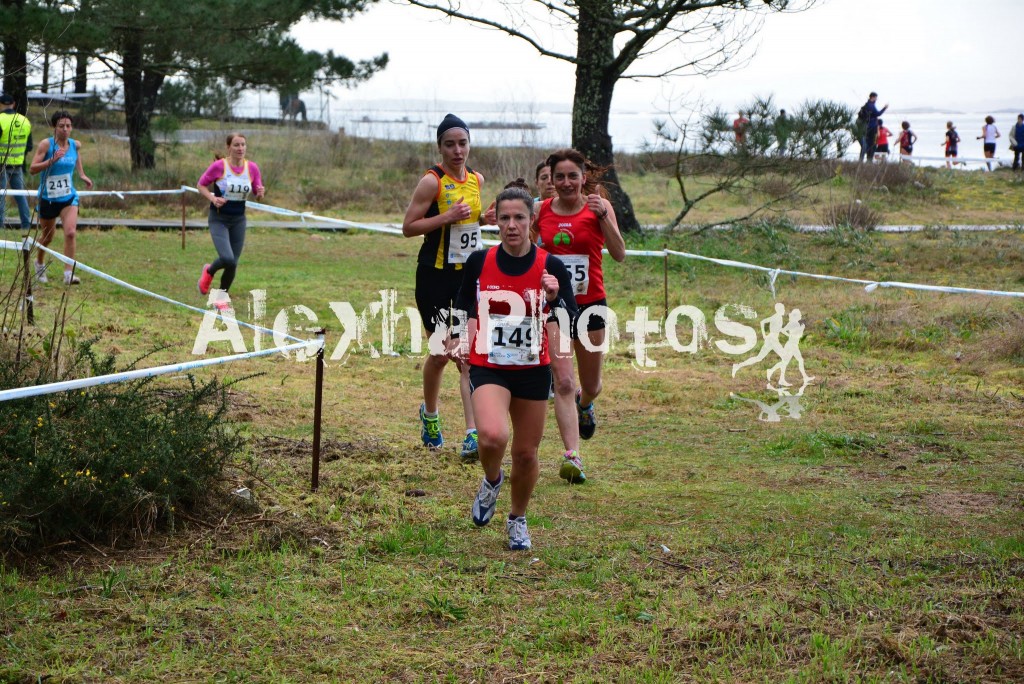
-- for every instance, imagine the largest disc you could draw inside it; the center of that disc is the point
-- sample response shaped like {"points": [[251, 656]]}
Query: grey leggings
{"points": [[228, 233]]}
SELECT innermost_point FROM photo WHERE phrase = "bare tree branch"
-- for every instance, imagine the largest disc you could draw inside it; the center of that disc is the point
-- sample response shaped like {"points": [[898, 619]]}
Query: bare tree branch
{"points": [[450, 11]]}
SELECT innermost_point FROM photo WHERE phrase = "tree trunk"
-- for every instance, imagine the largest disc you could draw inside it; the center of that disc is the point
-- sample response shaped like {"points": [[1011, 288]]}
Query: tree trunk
{"points": [[82, 58], [592, 101], [15, 67], [81, 72], [140, 91]]}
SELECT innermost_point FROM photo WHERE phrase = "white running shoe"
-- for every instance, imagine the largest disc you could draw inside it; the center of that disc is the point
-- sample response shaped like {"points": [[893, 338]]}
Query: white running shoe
{"points": [[518, 535], [486, 500]]}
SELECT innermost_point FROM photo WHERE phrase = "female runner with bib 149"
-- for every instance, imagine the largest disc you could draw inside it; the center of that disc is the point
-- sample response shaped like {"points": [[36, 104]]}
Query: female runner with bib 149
{"points": [[58, 158], [507, 294]]}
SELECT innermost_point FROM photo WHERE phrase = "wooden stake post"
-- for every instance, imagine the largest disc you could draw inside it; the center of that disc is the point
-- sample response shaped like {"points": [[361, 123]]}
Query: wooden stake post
{"points": [[317, 410], [183, 205], [26, 258], [666, 281]]}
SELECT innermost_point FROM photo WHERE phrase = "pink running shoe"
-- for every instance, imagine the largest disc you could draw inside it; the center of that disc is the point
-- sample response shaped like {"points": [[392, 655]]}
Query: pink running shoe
{"points": [[205, 280]]}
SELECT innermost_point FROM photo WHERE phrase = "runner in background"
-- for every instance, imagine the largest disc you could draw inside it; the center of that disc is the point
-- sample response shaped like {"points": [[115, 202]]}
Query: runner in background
{"points": [[226, 183], [575, 225], [951, 144], [58, 159], [545, 188], [906, 141], [508, 354], [989, 134], [882, 142], [446, 210], [739, 128]]}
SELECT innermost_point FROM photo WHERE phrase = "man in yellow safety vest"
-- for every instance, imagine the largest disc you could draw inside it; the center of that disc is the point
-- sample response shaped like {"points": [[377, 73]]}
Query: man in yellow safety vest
{"points": [[15, 132]]}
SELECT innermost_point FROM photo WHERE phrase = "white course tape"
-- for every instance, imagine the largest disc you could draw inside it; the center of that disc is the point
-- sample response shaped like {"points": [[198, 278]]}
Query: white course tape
{"points": [[30, 242], [773, 273], [304, 215], [50, 388], [97, 193], [640, 252], [363, 226], [940, 288], [870, 285], [957, 160]]}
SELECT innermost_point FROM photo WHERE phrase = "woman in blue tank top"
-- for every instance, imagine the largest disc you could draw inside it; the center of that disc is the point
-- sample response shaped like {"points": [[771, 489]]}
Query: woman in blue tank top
{"points": [[58, 158]]}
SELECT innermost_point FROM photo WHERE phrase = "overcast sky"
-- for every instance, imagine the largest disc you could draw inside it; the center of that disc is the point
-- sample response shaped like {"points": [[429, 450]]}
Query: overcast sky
{"points": [[961, 55]]}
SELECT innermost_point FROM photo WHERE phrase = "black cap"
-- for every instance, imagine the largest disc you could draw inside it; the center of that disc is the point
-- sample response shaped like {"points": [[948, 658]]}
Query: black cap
{"points": [[449, 122], [6, 99]]}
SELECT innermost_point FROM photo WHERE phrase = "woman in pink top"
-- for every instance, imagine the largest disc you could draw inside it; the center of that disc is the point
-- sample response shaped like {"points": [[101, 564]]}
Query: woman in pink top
{"points": [[226, 183]]}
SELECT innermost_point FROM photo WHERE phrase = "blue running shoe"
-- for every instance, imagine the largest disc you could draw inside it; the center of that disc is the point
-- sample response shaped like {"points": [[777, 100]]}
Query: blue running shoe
{"points": [[587, 418], [470, 447], [572, 468], [518, 535], [431, 431], [486, 500]]}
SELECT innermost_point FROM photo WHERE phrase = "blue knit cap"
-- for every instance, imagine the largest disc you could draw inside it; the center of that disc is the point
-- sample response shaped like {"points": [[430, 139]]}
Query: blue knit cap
{"points": [[449, 122]]}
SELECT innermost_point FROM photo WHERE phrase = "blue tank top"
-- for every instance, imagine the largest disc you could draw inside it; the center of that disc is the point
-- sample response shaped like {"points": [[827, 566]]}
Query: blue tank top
{"points": [[57, 183]]}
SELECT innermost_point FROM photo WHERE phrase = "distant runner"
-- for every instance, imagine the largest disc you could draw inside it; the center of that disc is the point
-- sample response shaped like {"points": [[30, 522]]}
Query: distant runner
{"points": [[951, 144], [226, 183], [58, 159], [989, 133]]}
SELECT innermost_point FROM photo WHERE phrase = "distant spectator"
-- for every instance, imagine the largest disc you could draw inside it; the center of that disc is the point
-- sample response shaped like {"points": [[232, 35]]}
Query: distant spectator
{"points": [[989, 133], [868, 116], [15, 141], [881, 142], [782, 131], [907, 140], [739, 127], [1017, 143], [951, 143]]}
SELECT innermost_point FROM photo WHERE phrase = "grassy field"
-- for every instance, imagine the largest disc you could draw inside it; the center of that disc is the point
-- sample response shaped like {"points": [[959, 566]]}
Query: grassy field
{"points": [[876, 538]]}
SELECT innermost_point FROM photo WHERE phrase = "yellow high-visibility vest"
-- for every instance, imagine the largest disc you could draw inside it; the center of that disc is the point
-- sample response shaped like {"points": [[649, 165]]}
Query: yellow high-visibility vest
{"points": [[14, 132]]}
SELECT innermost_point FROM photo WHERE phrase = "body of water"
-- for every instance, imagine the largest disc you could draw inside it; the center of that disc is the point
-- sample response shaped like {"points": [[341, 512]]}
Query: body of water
{"points": [[630, 130]]}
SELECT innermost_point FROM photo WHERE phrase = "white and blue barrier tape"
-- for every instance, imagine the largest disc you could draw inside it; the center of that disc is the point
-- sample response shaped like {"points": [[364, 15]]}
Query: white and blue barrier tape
{"points": [[22, 392], [97, 193], [53, 387], [870, 285], [29, 243], [957, 160], [308, 215]]}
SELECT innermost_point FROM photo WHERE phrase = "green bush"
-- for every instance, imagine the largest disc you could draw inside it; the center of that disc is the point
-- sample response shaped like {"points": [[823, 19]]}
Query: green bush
{"points": [[109, 461]]}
